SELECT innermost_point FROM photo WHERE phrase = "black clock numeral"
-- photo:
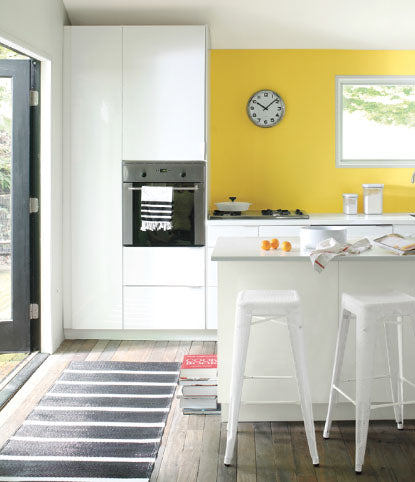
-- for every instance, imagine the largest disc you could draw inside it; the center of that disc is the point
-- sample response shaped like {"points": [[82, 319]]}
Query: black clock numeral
{"points": [[272, 119], [277, 101], [254, 101], [265, 94], [279, 108], [253, 115], [259, 119], [265, 122], [252, 107], [277, 115]]}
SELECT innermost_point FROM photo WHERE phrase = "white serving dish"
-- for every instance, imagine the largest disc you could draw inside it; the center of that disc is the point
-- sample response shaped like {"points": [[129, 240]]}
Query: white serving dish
{"points": [[233, 206], [310, 236]]}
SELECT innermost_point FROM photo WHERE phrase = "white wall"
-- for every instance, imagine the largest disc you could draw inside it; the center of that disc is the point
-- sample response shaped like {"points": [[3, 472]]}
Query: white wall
{"points": [[37, 28]]}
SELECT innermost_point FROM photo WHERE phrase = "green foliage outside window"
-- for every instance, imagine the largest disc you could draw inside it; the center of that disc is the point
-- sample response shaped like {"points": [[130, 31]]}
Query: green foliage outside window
{"points": [[384, 104]]}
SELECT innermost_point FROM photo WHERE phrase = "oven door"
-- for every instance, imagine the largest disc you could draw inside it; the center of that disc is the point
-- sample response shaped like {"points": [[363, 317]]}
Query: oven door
{"points": [[188, 216]]}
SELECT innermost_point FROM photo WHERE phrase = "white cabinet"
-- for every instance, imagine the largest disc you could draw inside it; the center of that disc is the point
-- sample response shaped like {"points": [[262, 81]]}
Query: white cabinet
{"points": [[164, 84], [164, 308], [352, 231], [164, 266], [92, 153], [404, 229]]}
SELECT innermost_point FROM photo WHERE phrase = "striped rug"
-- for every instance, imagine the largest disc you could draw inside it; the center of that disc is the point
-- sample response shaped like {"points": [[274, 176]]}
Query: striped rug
{"points": [[100, 421]]}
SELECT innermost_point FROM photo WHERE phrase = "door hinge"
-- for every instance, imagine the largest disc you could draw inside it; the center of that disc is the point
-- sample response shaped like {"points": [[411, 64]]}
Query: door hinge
{"points": [[33, 205], [33, 98], [34, 311]]}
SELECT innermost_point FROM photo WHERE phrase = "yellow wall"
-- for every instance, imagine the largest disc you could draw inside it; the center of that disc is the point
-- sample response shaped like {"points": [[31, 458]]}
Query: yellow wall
{"points": [[293, 164]]}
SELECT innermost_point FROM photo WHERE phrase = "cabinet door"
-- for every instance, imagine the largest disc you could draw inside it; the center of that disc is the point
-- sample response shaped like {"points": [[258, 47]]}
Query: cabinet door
{"points": [[404, 229], [164, 308], [92, 150], [164, 93]]}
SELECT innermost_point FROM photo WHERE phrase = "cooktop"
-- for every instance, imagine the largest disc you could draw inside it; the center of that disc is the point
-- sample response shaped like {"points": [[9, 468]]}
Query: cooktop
{"points": [[264, 214]]}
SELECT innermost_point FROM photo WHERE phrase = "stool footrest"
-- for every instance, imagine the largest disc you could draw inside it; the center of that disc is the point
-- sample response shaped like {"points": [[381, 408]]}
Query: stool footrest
{"points": [[396, 404], [270, 402], [266, 377], [335, 387]]}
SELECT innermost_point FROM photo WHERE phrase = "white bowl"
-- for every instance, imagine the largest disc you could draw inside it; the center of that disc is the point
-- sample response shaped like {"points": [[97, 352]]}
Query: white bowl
{"points": [[310, 236], [233, 206]]}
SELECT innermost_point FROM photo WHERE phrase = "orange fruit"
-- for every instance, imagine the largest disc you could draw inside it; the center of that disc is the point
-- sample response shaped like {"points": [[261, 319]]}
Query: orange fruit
{"points": [[265, 245], [274, 243], [286, 246]]}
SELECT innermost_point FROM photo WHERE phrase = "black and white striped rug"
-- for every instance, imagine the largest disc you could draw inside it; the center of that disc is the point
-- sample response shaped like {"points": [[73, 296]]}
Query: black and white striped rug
{"points": [[100, 421]]}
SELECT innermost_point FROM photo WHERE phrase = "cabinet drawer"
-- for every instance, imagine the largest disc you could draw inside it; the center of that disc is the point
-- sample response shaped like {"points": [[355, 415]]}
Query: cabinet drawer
{"points": [[368, 230], [164, 266], [278, 231], [215, 232], [404, 229], [164, 308]]}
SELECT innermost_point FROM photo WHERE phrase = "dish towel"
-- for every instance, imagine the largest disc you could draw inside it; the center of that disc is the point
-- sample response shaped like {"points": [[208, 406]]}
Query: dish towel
{"points": [[156, 208], [330, 248]]}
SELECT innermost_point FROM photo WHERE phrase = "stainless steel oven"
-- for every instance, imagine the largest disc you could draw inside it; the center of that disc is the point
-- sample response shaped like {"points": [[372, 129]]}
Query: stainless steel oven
{"points": [[188, 182]]}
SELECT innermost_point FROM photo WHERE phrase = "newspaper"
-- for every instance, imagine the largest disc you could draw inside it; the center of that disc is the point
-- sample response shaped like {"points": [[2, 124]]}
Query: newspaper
{"points": [[330, 248]]}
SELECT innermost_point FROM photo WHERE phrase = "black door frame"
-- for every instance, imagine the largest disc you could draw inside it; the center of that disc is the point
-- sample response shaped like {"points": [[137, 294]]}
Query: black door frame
{"points": [[15, 335]]}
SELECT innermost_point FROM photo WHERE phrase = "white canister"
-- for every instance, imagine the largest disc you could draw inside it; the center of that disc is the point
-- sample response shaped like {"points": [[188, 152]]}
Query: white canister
{"points": [[372, 198], [350, 203]]}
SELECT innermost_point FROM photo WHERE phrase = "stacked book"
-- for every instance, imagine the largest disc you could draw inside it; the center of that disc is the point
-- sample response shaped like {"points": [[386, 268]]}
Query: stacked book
{"points": [[199, 385]]}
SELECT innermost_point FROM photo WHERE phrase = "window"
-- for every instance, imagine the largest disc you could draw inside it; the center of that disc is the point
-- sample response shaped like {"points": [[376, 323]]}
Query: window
{"points": [[375, 121]]}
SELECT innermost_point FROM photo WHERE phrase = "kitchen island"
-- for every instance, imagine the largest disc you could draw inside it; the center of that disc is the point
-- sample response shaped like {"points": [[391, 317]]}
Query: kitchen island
{"points": [[243, 265]]}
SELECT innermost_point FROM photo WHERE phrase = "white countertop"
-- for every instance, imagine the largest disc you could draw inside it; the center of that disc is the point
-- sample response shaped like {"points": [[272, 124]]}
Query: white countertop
{"points": [[249, 249], [321, 219]]}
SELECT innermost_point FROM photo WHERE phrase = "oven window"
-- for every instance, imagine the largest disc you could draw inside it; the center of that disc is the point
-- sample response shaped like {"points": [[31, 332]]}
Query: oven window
{"points": [[183, 232]]}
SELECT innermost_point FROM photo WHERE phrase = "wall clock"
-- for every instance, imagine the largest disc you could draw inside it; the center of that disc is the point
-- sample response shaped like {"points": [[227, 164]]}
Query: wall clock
{"points": [[265, 108]]}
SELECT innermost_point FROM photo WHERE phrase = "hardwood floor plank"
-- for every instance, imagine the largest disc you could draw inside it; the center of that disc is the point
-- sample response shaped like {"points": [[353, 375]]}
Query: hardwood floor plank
{"points": [[97, 350], [264, 452], [122, 350], [135, 350], [183, 349], [144, 354], [303, 464], [190, 456], [158, 350], [339, 456], [284, 455], [324, 472], [170, 351], [84, 349], [246, 463], [209, 347], [225, 474], [109, 350], [196, 348], [71, 349], [210, 449]]}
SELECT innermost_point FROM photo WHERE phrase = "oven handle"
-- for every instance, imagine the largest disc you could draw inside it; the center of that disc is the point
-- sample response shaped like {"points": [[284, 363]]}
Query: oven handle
{"points": [[195, 188]]}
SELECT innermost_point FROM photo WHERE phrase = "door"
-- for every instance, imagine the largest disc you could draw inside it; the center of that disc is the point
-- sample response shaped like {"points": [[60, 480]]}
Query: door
{"points": [[15, 153]]}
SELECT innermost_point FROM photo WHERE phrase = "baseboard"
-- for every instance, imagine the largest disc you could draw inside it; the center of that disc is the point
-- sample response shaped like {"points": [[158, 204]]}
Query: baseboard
{"points": [[292, 412], [171, 335]]}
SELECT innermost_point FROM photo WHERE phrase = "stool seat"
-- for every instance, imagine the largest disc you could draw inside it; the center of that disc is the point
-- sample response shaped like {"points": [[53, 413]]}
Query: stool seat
{"points": [[268, 305], [380, 305], [387, 308], [268, 302]]}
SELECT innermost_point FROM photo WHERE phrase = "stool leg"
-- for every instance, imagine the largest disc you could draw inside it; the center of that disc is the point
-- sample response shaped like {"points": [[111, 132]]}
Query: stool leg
{"points": [[401, 384], [394, 356], [365, 349], [338, 363], [300, 365], [240, 348]]}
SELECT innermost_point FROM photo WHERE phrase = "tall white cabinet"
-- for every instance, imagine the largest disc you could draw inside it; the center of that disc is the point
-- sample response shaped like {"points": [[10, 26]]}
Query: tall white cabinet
{"points": [[132, 93], [164, 86], [92, 152]]}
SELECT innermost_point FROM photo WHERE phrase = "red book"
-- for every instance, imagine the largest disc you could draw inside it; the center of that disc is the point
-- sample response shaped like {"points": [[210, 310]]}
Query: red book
{"points": [[199, 366]]}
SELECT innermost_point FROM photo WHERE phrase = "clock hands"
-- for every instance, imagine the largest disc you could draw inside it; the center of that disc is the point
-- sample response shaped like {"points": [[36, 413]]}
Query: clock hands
{"points": [[256, 102], [266, 108]]}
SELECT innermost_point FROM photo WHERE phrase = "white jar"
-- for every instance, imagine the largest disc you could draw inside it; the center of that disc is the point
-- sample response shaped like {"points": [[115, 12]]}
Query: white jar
{"points": [[372, 198], [350, 203]]}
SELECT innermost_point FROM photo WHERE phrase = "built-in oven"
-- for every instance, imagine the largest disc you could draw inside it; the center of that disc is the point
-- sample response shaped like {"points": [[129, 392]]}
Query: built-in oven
{"points": [[187, 180]]}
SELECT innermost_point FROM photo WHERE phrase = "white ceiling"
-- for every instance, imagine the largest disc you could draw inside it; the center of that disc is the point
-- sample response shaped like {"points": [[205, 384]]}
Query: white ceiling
{"points": [[238, 24]]}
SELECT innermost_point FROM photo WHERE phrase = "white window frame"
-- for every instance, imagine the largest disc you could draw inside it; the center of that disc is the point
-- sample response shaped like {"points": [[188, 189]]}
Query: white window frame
{"points": [[342, 80]]}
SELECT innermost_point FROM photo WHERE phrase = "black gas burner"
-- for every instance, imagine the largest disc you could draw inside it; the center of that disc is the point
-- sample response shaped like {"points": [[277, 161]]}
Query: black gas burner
{"points": [[281, 212], [216, 212]]}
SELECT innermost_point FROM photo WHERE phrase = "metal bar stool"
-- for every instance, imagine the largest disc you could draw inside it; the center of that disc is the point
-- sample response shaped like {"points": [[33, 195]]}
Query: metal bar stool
{"points": [[282, 307], [369, 310]]}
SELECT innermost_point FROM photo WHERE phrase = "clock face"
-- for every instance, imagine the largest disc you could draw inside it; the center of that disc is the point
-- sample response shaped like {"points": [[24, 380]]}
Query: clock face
{"points": [[265, 108]]}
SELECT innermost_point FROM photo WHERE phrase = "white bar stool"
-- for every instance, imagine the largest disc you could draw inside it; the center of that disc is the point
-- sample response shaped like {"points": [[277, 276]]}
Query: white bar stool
{"points": [[272, 306], [369, 310]]}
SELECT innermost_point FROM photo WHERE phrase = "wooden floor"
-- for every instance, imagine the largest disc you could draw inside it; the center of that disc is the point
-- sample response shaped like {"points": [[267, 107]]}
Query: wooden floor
{"points": [[193, 446]]}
